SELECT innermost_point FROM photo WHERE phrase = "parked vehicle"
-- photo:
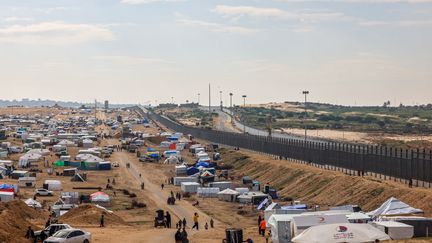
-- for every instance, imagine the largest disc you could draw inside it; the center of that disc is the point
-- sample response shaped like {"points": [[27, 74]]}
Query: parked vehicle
{"points": [[43, 192], [50, 230], [70, 236]]}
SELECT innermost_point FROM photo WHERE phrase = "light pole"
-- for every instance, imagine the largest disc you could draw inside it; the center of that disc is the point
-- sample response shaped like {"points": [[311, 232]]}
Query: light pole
{"points": [[244, 107], [199, 98], [304, 117], [221, 103], [231, 95]]}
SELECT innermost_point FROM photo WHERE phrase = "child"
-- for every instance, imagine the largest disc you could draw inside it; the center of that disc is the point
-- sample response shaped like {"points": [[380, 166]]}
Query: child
{"points": [[206, 226]]}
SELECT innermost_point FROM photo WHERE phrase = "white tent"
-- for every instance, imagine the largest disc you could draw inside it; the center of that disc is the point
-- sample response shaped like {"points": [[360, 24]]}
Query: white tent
{"points": [[396, 230], [87, 143], [66, 143], [207, 192], [53, 185], [42, 152], [191, 187], [228, 195], [305, 221], [26, 159], [280, 226], [33, 203], [88, 158], [335, 233], [358, 218], [394, 207], [172, 160]]}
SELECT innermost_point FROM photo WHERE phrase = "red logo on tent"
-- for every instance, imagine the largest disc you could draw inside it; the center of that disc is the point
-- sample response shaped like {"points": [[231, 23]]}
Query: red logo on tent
{"points": [[342, 229]]}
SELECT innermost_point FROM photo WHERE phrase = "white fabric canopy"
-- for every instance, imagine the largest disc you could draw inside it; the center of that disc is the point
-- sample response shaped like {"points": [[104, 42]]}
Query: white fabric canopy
{"points": [[335, 233], [228, 192], [394, 207], [33, 203], [88, 158]]}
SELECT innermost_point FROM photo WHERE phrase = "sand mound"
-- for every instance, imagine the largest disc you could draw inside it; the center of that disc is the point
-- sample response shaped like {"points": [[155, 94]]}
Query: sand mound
{"points": [[15, 217], [90, 215]]}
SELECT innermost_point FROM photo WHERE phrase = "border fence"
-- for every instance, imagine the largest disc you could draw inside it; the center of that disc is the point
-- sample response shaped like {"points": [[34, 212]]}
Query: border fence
{"points": [[395, 163]]}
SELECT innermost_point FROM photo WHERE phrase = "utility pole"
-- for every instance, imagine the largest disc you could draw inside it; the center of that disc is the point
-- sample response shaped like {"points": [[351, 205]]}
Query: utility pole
{"points": [[305, 114], [231, 95], [199, 98], [210, 101], [244, 107]]}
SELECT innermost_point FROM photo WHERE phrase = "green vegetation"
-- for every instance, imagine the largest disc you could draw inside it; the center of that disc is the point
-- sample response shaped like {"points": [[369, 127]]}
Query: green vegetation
{"points": [[398, 120]]}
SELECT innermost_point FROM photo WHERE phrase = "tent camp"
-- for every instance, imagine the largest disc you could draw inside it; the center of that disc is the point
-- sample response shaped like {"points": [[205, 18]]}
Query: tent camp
{"points": [[228, 195], [33, 203], [207, 192], [344, 232], [394, 207], [280, 226], [87, 143], [396, 230]]}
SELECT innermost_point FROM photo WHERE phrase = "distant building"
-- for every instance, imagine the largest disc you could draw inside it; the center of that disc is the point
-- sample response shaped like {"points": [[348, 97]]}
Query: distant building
{"points": [[189, 105], [106, 105], [168, 105]]}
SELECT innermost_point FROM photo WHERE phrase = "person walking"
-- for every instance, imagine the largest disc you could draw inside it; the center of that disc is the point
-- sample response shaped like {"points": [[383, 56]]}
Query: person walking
{"points": [[184, 236], [30, 234], [211, 223], [184, 223], [178, 236], [168, 219], [102, 221], [195, 220], [162, 186], [262, 227], [180, 223]]}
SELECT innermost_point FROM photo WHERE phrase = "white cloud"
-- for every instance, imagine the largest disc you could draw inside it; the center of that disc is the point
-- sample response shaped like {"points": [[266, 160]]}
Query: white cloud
{"points": [[250, 11], [132, 60], [362, 1], [401, 23], [54, 33], [17, 19], [216, 27], [134, 2]]}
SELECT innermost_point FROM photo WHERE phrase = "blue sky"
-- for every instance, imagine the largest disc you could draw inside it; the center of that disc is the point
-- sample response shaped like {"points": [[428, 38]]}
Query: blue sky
{"points": [[140, 51]]}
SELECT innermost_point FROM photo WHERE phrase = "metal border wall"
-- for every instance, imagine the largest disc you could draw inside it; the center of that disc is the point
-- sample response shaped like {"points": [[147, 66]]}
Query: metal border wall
{"points": [[393, 162]]}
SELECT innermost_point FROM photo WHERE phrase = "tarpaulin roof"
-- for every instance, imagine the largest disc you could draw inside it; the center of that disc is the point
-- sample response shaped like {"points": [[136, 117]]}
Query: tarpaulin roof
{"points": [[99, 197], [394, 207]]}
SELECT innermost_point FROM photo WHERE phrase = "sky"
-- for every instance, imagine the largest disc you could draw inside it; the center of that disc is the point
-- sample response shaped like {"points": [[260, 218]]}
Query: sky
{"points": [[352, 52]]}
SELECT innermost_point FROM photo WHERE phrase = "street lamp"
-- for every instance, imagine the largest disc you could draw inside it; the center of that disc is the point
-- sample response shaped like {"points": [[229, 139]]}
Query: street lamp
{"points": [[304, 117], [231, 95], [221, 103], [244, 106]]}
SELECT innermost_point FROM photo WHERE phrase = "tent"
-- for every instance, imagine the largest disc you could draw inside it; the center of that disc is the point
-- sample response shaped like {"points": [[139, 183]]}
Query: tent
{"points": [[228, 195], [100, 198], [396, 230], [280, 226], [78, 178], [28, 158], [394, 207], [88, 158], [87, 143], [8, 188], [27, 181], [42, 152], [6, 196], [53, 185], [181, 169], [207, 192], [66, 143], [191, 187], [172, 160], [33, 203], [358, 218], [335, 233], [305, 221]]}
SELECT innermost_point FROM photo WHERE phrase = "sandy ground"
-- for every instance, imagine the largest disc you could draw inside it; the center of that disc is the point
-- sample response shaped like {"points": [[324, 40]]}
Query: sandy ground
{"points": [[355, 137]]}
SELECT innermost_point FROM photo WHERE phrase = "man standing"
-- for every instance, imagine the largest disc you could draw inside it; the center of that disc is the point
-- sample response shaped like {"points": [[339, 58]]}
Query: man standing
{"points": [[178, 236], [168, 219], [195, 220], [102, 221]]}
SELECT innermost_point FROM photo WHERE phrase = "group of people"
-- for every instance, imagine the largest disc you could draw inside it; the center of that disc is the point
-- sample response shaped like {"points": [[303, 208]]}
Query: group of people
{"points": [[181, 236]]}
